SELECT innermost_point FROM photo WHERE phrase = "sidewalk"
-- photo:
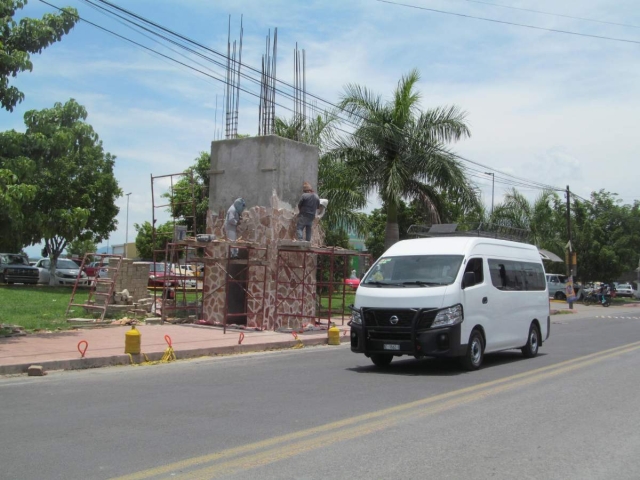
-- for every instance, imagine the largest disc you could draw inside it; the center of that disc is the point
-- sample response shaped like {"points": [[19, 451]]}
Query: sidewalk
{"points": [[59, 351]]}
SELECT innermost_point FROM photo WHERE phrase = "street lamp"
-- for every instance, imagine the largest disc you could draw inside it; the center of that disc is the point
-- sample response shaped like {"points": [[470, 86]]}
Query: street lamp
{"points": [[493, 185], [126, 235]]}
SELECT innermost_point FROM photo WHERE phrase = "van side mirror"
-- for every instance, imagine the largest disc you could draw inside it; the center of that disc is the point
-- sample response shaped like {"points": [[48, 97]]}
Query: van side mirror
{"points": [[468, 279]]}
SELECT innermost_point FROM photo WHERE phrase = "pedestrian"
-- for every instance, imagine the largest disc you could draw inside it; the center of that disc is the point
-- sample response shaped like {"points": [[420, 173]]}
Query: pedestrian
{"points": [[307, 207], [232, 220]]}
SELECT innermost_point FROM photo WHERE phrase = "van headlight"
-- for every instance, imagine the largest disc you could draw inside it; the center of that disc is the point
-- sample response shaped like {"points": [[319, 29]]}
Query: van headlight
{"points": [[356, 316], [448, 316]]}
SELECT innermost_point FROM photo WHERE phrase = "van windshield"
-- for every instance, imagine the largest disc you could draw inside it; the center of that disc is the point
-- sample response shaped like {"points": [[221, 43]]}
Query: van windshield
{"points": [[414, 271]]}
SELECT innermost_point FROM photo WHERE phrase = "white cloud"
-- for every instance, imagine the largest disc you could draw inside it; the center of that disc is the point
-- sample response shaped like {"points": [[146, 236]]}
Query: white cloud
{"points": [[547, 107]]}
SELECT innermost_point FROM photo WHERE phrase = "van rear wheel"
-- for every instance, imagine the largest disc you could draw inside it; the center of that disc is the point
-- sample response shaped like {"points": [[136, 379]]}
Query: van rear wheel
{"points": [[381, 359], [475, 352], [530, 349]]}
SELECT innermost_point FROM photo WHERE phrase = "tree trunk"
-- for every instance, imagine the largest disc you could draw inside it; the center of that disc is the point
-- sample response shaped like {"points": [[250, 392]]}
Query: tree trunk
{"points": [[55, 250], [52, 268], [392, 232]]}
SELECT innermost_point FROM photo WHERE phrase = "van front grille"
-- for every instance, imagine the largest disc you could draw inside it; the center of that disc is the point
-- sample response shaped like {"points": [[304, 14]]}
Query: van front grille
{"points": [[382, 317]]}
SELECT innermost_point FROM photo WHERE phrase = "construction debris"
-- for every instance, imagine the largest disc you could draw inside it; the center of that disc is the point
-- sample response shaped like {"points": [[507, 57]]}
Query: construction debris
{"points": [[36, 371], [11, 330]]}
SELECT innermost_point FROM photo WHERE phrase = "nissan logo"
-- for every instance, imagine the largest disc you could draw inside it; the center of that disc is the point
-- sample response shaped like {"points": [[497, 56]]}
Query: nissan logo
{"points": [[393, 320]]}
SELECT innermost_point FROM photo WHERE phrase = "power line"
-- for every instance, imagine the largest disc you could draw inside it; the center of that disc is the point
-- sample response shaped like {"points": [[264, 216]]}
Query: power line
{"points": [[517, 181], [552, 14], [504, 22], [184, 38]]}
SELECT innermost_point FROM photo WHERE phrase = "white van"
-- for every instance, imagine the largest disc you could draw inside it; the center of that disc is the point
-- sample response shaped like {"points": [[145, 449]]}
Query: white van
{"points": [[451, 297]]}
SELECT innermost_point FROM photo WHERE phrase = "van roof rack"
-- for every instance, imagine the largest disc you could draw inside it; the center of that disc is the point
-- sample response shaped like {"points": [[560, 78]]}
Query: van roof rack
{"points": [[480, 229]]}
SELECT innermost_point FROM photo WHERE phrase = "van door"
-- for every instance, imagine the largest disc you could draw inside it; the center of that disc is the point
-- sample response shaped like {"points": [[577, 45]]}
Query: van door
{"points": [[475, 300]]}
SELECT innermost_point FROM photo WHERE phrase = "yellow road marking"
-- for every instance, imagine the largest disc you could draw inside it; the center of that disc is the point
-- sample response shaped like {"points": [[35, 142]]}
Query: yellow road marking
{"points": [[283, 453], [476, 392]]}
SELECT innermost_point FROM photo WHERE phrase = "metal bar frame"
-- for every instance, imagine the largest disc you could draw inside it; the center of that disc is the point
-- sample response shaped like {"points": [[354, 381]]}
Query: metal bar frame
{"points": [[331, 284]]}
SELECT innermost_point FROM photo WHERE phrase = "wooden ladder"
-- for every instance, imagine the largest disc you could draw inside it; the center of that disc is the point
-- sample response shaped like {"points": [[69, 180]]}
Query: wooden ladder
{"points": [[101, 290]]}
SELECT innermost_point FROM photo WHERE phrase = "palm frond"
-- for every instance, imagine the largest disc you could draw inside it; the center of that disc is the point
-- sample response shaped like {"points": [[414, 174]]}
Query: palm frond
{"points": [[442, 124]]}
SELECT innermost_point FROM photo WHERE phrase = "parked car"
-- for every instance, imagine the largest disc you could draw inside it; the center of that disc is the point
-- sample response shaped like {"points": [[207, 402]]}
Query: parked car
{"points": [[352, 282], [625, 290], [96, 269], [65, 274], [186, 275], [15, 268], [185, 270], [161, 275], [557, 285]]}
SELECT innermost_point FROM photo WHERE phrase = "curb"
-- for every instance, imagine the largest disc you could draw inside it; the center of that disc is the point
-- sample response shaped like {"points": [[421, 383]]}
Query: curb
{"points": [[115, 360]]}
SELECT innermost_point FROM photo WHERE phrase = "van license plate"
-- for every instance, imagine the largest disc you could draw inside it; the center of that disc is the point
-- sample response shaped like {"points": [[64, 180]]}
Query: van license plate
{"points": [[391, 346]]}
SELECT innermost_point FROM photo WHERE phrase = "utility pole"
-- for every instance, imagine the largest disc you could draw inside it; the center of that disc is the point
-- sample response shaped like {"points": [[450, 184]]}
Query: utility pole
{"points": [[126, 235], [493, 187], [570, 244]]}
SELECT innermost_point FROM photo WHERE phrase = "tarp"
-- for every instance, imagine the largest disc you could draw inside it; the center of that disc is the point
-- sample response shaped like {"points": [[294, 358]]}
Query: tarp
{"points": [[547, 255]]}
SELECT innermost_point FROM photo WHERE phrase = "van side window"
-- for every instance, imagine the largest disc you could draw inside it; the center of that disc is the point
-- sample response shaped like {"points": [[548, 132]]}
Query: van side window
{"points": [[475, 265], [509, 275]]}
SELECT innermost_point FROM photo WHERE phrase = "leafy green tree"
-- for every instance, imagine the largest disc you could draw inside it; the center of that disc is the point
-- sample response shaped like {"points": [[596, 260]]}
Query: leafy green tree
{"points": [[408, 215], [400, 152], [606, 236], [192, 188], [144, 239], [19, 39], [80, 248], [75, 188], [16, 189], [544, 218]]}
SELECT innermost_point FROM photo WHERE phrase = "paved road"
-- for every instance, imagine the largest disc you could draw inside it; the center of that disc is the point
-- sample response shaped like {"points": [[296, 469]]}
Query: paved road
{"points": [[323, 412]]}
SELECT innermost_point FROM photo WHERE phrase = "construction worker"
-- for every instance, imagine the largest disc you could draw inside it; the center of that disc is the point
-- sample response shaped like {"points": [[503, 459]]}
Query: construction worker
{"points": [[232, 220], [307, 207]]}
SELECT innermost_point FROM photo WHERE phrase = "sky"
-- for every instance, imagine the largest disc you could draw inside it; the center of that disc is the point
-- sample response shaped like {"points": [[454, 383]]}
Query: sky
{"points": [[548, 107]]}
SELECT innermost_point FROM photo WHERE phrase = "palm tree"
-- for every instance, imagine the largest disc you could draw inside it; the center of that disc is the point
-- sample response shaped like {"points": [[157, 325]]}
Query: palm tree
{"points": [[336, 182], [538, 217], [400, 152]]}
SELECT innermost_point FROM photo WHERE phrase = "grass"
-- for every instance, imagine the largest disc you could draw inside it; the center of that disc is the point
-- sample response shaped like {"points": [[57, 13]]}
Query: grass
{"points": [[336, 303], [36, 307]]}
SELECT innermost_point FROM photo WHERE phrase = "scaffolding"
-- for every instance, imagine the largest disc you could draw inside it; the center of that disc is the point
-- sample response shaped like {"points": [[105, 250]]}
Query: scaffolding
{"points": [[316, 275], [174, 289], [246, 268], [295, 283]]}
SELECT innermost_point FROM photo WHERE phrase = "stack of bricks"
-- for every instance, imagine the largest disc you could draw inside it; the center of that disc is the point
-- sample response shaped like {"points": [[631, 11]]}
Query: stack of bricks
{"points": [[132, 276]]}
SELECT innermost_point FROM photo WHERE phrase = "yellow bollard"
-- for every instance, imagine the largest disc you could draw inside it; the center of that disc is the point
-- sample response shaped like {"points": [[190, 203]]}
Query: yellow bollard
{"points": [[334, 335], [132, 340]]}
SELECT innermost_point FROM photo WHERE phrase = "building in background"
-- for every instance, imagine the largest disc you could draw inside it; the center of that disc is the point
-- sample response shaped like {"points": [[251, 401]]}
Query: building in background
{"points": [[127, 250]]}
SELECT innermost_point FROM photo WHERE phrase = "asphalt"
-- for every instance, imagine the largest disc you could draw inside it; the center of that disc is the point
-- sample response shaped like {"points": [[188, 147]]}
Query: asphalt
{"points": [[105, 346]]}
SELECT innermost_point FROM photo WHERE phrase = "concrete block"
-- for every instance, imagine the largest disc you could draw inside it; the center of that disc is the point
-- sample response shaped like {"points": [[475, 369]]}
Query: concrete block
{"points": [[36, 371], [254, 167]]}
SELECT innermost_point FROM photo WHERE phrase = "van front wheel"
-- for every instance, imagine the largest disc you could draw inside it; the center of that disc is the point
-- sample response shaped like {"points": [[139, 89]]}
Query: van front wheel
{"points": [[475, 352], [530, 350], [381, 359]]}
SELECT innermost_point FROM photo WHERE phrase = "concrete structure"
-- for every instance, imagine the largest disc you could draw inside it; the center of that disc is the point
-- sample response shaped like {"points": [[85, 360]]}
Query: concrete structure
{"points": [[132, 276], [256, 167], [268, 172]]}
